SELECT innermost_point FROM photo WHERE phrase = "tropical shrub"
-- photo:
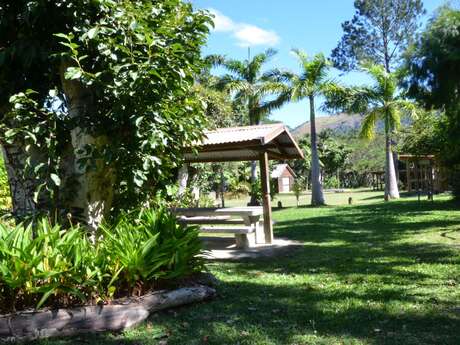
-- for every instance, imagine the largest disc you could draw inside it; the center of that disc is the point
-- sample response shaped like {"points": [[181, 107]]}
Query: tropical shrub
{"points": [[331, 182], [43, 262], [148, 246], [297, 189], [46, 265]]}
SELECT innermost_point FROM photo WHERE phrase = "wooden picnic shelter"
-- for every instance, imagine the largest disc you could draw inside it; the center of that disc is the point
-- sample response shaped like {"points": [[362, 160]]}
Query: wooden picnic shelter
{"points": [[423, 173], [249, 143]]}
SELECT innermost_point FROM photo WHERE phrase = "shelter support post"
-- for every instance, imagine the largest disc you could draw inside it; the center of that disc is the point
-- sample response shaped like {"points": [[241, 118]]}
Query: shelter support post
{"points": [[408, 177], [265, 179]]}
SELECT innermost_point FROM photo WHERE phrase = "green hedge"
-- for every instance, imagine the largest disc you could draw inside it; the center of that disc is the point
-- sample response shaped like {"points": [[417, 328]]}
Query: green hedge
{"points": [[50, 266]]}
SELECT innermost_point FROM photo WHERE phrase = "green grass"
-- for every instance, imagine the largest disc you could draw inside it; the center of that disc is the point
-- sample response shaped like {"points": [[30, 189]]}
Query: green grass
{"points": [[369, 273]]}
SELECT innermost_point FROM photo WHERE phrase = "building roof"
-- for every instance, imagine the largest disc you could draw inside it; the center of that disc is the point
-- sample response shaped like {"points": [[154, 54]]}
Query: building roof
{"points": [[245, 143], [279, 169]]}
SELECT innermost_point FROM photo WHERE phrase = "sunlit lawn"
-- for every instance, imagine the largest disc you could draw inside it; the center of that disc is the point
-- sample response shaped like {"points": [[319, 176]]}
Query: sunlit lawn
{"points": [[369, 273]]}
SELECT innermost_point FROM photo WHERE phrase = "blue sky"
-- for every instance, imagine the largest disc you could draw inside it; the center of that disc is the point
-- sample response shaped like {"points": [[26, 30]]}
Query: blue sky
{"points": [[311, 25]]}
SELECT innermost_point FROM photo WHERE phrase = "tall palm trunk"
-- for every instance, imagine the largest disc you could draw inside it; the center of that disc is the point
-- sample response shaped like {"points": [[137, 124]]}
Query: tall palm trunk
{"points": [[391, 183], [317, 196]]}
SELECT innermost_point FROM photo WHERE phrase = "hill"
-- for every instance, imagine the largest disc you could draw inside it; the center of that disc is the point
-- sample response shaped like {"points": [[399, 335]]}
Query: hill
{"points": [[341, 122]]}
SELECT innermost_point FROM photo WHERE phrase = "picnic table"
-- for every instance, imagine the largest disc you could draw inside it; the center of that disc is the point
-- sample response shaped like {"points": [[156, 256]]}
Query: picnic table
{"points": [[243, 222]]}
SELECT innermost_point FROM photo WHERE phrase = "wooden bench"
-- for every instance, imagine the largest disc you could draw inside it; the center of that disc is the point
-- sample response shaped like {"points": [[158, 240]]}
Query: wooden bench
{"points": [[243, 222]]}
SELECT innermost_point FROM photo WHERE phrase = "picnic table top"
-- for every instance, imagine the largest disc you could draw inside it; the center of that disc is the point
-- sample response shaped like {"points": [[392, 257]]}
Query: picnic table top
{"points": [[231, 211]]}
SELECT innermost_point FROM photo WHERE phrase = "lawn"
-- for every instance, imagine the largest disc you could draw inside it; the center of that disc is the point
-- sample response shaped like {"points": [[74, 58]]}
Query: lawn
{"points": [[368, 273]]}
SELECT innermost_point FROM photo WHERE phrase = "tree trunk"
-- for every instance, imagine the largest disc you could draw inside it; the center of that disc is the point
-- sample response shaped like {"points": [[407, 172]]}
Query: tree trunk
{"points": [[317, 197], [182, 177], [21, 187], [92, 198], [391, 183]]}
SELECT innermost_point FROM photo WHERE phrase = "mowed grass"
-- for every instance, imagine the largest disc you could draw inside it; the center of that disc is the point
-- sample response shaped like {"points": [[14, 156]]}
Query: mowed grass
{"points": [[368, 273]]}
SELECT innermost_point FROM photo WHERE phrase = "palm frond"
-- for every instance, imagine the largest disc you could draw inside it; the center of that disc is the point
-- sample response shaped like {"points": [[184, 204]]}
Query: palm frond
{"points": [[214, 60], [279, 75], [258, 61], [266, 108], [355, 100], [369, 123], [271, 88], [393, 117], [317, 69], [237, 67], [386, 83], [301, 56], [232, 84], [407, 108], [300, 90]]}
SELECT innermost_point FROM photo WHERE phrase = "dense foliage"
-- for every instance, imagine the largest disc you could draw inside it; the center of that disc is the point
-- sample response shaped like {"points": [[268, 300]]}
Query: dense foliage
{"points": [[425, 135], [346, 159], [433, 67], [105, 128], [48, 265]]}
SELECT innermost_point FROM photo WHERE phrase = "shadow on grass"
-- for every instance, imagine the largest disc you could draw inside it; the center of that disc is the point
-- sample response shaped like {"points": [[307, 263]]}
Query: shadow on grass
{"points": [[353, 281], [252, 313], [366, 223]]}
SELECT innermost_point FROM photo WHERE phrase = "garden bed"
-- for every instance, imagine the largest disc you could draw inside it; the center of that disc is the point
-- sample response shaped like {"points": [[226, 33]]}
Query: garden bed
{"points": [[119, 315]]}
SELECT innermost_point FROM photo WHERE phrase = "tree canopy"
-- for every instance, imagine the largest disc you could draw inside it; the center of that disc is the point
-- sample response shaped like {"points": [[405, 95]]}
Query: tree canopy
{"points": [[118, 80], [378, 32]]}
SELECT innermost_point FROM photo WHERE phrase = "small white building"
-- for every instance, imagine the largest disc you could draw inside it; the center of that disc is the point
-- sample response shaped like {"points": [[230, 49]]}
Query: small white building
{"points": [[284, 178]]}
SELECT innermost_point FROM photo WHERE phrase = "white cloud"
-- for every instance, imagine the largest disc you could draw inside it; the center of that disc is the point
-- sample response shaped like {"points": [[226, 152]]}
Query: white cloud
{"points": [[222, 23], [245, 34], [251, 35]]}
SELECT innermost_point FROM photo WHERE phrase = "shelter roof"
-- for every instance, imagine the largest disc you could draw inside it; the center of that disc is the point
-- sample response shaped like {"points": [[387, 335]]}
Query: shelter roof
{"points": [[245, 144]]}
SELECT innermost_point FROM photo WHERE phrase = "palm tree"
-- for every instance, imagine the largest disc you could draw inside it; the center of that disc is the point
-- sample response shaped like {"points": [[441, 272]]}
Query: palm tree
{"points": [[250, 87], [379, 102], [312, 82]]}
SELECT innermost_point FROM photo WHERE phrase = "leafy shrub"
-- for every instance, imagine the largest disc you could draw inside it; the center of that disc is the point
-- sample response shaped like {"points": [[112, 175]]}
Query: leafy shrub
{"points": [[331, 182], [38, 262], [297, 189], [150, 246], [238, 189], [48, 265], [256, 189]]}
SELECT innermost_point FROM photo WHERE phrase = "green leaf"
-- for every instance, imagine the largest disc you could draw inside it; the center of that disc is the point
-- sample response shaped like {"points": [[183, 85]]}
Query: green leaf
{"points": [[92, 33], [56, 179], [73, 73]]}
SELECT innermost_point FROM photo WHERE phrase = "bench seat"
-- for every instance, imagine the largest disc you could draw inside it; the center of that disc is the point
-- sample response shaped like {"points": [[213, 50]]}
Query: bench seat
{"points": [[243, 222]]}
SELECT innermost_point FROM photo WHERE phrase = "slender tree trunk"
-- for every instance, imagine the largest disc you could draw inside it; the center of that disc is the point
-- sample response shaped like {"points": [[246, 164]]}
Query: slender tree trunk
{"points": [[391, 183], [317, 196], [93, 197], [182, 178]]}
